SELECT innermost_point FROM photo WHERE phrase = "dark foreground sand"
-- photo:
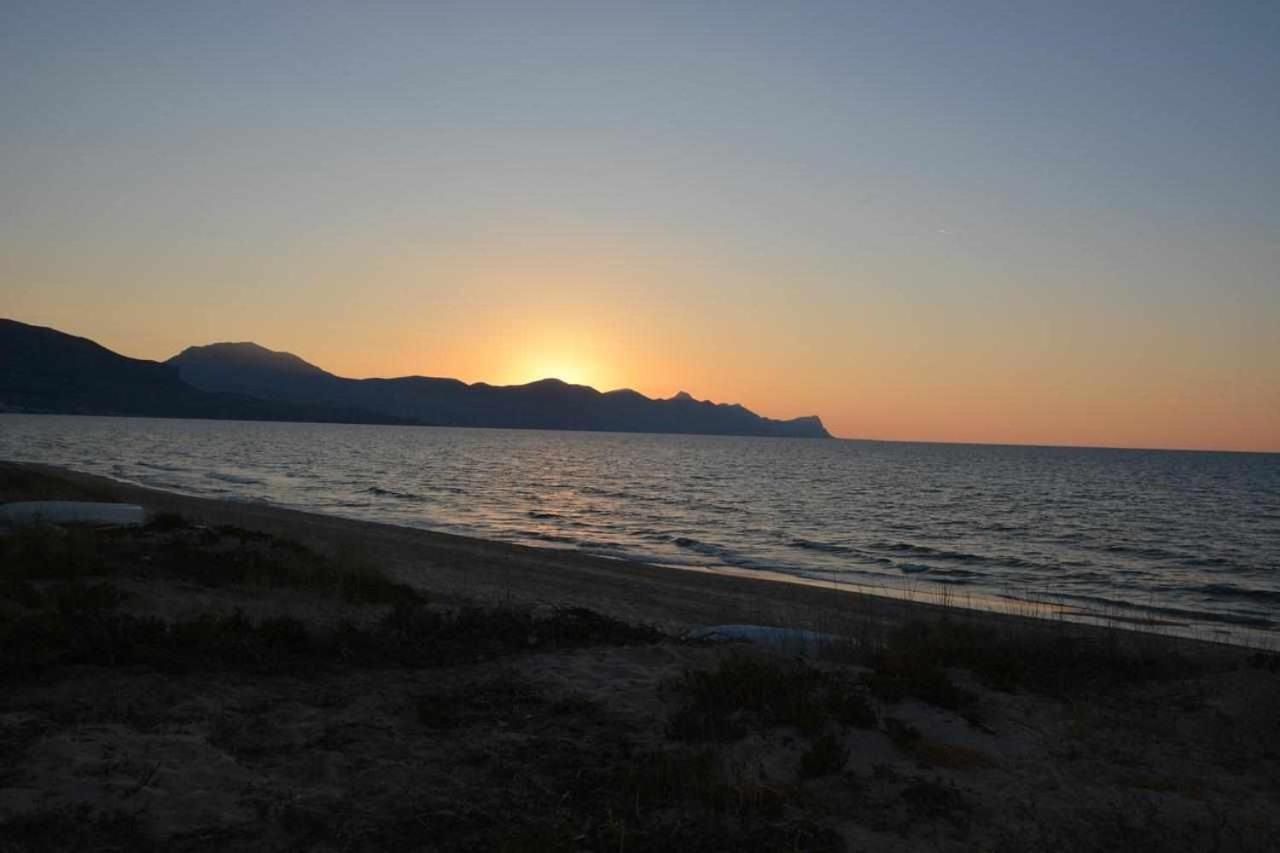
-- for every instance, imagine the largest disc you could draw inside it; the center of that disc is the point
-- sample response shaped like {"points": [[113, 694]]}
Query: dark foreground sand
{"points": [[196, 686]]}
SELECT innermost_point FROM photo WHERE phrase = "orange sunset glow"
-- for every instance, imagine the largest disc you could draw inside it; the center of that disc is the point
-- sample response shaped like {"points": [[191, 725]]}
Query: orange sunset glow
{"points": [[873, 254]]}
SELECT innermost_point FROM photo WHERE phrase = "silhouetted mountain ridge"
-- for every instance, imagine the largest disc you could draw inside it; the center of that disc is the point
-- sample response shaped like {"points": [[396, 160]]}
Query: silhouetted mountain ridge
{"points": [[43, 370], [254, 356], [545, 404]]}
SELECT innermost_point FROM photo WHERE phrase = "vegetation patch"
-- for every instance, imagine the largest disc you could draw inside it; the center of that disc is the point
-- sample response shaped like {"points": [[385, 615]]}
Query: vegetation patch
{"points": [[47, 551], [827, 755], [753, 691], [519, 783], [81, 629], [171, 547], [414, 635], [508, 702], [897, 676], [80, 830], [1055, 660], [32, 644], [934, 798]]}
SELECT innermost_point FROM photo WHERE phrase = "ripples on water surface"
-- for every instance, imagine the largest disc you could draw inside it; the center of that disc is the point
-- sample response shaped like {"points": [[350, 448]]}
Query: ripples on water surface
{"points": [[1192, 538]]}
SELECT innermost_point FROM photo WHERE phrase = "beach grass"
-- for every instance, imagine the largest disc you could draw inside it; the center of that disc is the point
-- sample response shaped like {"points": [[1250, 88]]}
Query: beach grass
{"points": [[171, 547], [748, 690], [77, 625], [1049, 657]]}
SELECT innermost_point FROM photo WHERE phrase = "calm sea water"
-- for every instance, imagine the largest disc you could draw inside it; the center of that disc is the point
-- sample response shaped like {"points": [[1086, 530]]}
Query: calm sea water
{"points": [[1189, 539]]}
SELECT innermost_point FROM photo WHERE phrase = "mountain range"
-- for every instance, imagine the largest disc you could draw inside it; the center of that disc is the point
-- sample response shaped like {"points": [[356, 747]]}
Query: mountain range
{"points": [[47, 371]]}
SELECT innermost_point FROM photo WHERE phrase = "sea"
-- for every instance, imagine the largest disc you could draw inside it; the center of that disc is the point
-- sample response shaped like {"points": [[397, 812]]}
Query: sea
{"points": [[1172, 541]]}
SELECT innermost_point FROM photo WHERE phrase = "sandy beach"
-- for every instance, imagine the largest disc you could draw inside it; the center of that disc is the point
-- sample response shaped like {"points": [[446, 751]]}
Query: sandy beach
{"points": [[239, 676]]}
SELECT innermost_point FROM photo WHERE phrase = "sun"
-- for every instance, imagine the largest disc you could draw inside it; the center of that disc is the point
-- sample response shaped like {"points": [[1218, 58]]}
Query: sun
{"points": [[565, 371], [551, 354]]}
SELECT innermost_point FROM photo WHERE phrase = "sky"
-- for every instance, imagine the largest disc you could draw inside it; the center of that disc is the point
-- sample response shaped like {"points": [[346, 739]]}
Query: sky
{"points": [[1017, 222]]}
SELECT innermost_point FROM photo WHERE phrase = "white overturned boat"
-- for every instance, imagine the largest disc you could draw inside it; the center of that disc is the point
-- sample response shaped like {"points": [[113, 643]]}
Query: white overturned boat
{"points": [[71, 512], [793, 640]]}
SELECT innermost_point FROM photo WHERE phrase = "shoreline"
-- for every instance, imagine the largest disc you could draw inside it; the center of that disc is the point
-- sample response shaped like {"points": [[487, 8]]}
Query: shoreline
{"points": [[1195, 568], [241, 676], [465, 568]]}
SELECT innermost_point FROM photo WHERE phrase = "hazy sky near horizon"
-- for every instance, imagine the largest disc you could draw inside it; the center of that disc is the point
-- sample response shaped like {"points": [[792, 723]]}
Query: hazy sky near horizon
{"points": [[996, 222]]}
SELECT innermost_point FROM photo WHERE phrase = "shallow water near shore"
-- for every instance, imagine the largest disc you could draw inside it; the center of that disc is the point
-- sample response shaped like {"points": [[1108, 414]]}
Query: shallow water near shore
{"points": [[1181, 541]]}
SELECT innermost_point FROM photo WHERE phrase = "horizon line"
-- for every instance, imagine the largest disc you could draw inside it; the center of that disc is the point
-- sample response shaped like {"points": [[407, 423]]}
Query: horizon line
{"points": [[1119, 447], [850, 440], [861, 438]]}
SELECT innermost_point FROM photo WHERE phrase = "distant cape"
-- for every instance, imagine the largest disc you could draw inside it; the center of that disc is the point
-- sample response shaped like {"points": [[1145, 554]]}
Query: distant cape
{"points": [[44, 370]]}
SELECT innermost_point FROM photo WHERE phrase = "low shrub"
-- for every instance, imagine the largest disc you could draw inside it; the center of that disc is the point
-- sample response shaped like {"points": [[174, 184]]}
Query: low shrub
{"points": [[86, 631], [826, 755], [756, 691], [1053, 659]]}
